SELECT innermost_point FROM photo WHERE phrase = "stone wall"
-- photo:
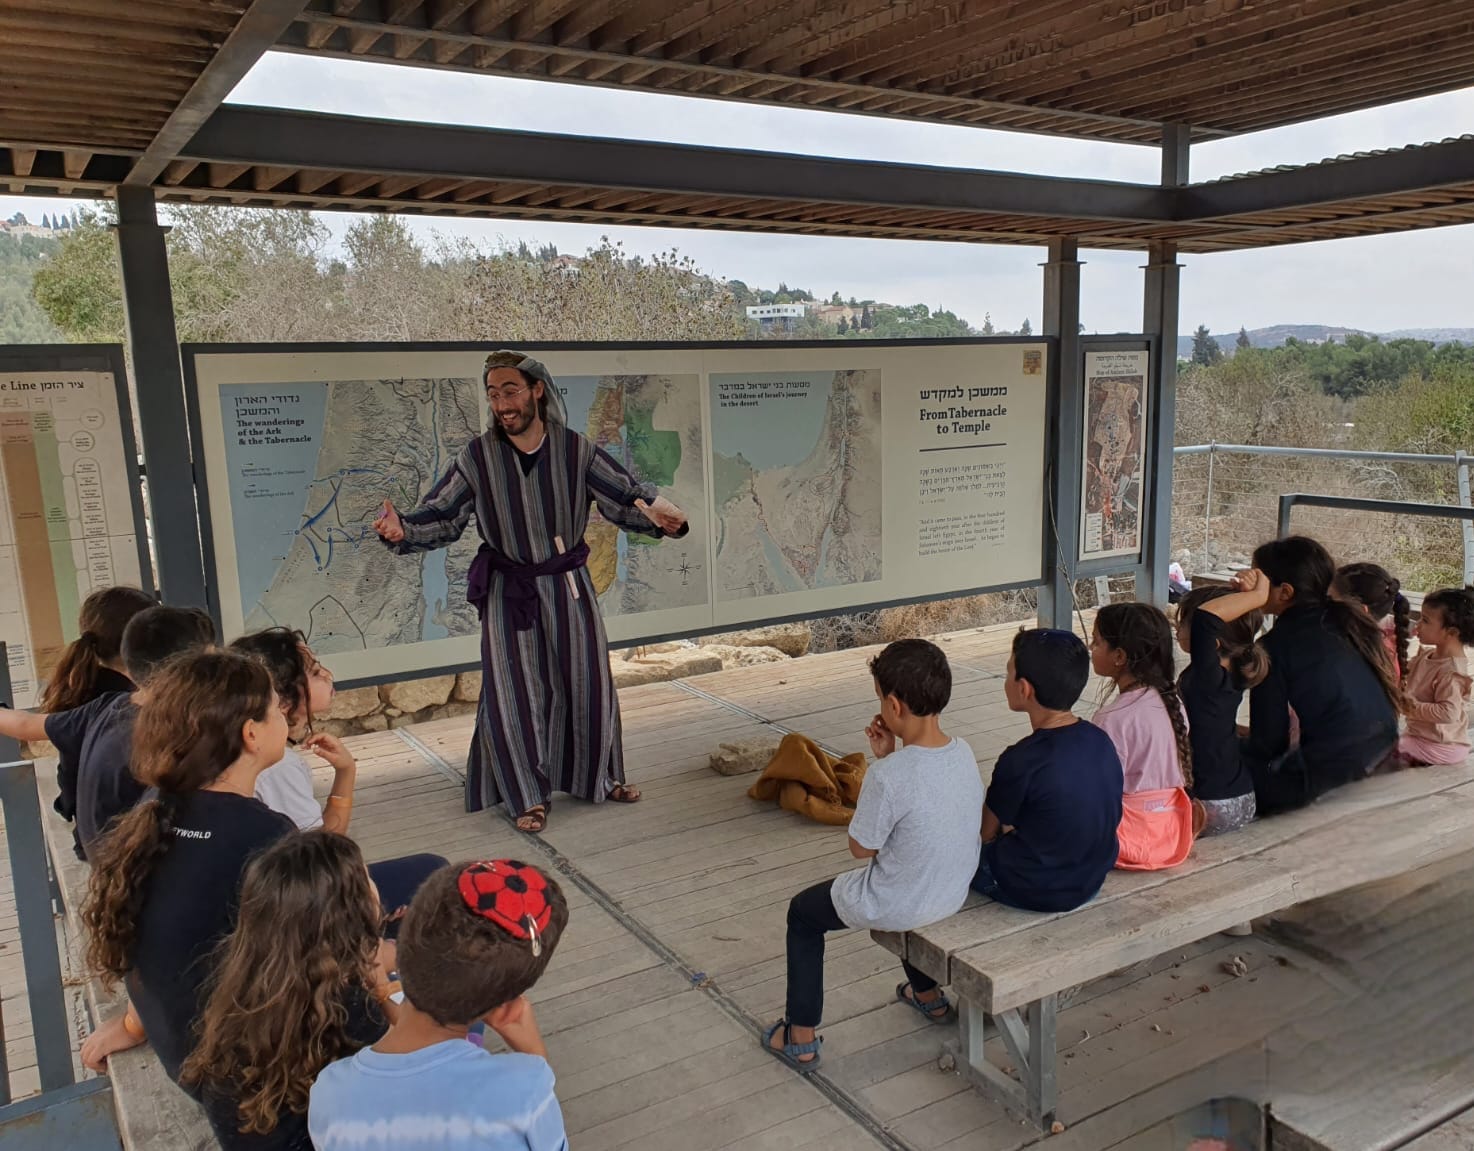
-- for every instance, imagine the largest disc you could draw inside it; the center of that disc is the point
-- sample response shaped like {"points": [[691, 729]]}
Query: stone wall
{"points": [[361, 709], [357, 710]]}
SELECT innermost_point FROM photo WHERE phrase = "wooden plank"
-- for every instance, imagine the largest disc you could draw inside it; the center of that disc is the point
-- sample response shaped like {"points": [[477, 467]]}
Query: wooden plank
{"points": [[1096, 940], [1402, 1019], [1456, 1134]]}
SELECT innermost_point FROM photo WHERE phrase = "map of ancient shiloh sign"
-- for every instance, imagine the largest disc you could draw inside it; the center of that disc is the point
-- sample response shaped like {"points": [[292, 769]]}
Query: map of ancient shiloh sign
{"points": [[796, 470], [67, 523], [1115, 446]]}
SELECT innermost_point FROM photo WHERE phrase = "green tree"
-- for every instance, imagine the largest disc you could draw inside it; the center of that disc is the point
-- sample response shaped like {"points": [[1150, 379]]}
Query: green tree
{"points": [[1026, 328], [844, 325], [1243, 340], [1206, 351], [867, 318], [78, 288], [988, 324], [22, 320]]}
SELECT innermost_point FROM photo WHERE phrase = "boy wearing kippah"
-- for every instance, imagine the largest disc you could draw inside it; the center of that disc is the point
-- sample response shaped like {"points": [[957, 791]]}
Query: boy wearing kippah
{"points": [[476, 937]]}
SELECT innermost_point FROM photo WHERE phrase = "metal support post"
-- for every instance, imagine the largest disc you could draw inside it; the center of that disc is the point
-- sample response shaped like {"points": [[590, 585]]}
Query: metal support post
{"points": [[1462, 464], [1062, 480], [1208, 509], [1160, 299], [154, 344]]}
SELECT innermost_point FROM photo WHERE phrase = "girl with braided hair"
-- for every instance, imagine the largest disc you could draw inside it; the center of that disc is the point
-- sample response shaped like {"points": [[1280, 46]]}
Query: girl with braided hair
{"points": [[1132, 646], [1375, 591]]}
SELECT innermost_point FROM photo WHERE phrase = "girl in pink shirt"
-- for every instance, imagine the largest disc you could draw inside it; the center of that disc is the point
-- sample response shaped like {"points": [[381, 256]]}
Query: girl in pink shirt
{"points": [[1132, 646], [1438, 683]]}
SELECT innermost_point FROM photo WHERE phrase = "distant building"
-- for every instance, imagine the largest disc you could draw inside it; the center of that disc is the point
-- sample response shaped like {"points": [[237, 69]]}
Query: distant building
{"points": [[766, 312], [831, 314]]}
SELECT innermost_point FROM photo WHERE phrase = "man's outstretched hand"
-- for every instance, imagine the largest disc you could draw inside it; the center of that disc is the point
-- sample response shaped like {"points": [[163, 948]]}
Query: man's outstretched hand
{"points": [[388, 525], [663, 514]]}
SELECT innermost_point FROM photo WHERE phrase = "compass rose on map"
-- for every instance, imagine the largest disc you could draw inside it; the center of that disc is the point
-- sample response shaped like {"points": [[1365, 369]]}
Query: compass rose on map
{"points": [[685, 569]]}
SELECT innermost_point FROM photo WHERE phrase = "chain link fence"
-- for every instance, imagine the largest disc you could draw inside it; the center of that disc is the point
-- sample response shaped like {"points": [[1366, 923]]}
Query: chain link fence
{"points": [[1225, 502]]}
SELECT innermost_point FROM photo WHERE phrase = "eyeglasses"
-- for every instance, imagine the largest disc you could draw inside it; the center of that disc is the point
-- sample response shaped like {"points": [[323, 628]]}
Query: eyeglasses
{"points": [[510, 392]]}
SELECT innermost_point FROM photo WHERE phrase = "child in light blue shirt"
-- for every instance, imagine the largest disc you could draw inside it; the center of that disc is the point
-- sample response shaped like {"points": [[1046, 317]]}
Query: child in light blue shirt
{"points": [[476, 937]]}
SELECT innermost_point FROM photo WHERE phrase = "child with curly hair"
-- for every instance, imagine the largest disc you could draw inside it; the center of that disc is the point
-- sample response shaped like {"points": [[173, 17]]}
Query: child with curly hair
{"points": [[300, 982], [1438, 682]]}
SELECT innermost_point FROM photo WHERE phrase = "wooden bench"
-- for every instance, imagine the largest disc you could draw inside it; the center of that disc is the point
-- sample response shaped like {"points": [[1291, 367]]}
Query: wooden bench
{"points": [[153, 1114], [1011, 966]]}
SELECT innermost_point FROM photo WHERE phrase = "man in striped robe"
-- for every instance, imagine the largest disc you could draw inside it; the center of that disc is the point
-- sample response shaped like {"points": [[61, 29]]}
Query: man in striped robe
{"points": [[548, 719]]}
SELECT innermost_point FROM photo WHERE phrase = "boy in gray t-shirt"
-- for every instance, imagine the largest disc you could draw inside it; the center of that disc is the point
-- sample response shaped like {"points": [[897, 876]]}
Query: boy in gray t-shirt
{"points": [[917, 826]]}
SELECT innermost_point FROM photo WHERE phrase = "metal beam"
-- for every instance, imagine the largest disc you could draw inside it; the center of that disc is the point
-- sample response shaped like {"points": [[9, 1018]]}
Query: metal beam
{"points": [[246, 135], [1062, 516], [260, 26], [148, 305], [1412, 169]]}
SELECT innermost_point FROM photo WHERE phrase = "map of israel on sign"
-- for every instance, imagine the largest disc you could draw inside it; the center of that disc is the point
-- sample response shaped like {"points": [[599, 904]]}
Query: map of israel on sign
{"points": [[652, 426], [309, 466], [796, 462], [68, 526]]}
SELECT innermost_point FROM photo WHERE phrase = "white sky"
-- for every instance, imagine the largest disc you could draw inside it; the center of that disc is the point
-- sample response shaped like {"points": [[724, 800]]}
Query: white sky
{"points": [[1421, 279]]}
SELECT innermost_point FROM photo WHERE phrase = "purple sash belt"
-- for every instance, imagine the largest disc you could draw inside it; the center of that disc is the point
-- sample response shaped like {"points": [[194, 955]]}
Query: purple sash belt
{"points": [[519, 581]]}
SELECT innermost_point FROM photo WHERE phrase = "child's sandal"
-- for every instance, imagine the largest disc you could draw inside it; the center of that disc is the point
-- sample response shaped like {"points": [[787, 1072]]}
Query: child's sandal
{"points": [[938, 1010], [790, 1052]]}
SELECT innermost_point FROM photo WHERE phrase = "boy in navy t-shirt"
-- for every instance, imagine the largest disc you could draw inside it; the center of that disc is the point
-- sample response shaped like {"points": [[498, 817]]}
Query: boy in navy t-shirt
{"points": [[1054, 803]]}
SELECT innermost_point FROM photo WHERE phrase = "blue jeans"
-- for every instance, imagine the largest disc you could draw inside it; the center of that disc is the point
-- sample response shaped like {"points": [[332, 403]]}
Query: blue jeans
{"points": [[398, 880]]}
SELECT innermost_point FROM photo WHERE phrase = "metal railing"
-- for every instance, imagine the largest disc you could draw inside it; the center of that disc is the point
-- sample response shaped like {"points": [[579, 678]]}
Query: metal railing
{"points": [[67, 1112], [1226, 501]]}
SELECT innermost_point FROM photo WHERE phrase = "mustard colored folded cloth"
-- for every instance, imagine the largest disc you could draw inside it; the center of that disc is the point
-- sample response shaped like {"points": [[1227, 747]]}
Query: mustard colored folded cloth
{"points": [[806, 779]]}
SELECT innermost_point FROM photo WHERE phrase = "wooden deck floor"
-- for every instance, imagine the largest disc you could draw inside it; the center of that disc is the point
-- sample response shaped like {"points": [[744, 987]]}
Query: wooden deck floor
{"points": [[674, 957], [674, 954]]}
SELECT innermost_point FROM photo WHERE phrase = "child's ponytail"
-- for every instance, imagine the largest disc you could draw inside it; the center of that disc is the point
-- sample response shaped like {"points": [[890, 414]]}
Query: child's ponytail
{"points": [[1402, 619], [77, 676], [188, 731], [122, 861]]}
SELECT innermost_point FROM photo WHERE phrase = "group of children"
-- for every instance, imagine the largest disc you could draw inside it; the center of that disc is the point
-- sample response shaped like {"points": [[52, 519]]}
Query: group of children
{"points": [[306, 999], [1162, 762]]}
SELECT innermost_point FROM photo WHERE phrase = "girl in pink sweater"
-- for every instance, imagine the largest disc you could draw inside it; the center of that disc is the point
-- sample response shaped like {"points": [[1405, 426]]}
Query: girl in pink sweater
{"points": [[1438, 682]]}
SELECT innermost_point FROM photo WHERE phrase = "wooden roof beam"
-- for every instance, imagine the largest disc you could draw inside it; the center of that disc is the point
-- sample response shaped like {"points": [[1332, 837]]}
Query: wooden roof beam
{"points": [[260, 26]]}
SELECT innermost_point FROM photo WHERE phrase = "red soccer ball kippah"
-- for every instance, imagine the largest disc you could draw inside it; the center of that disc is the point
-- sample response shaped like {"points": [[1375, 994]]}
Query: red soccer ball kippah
{"points": [[510, 894]]}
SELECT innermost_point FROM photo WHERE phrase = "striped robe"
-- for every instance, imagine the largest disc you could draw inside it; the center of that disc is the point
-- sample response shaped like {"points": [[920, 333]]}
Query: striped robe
{"points": [[548, 719]]}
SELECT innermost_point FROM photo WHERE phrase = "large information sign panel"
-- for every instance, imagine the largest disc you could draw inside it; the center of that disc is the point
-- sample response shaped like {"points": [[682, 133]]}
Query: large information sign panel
{"points": [[69, 507], [816, 479]]}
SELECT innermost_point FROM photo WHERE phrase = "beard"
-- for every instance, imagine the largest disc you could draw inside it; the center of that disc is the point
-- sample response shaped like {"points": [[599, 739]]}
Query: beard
{"points": [[515, 421]]}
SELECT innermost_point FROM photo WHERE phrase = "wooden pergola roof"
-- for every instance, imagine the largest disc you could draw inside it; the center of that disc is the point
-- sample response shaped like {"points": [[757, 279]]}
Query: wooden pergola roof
{"points": [[94, 94]]}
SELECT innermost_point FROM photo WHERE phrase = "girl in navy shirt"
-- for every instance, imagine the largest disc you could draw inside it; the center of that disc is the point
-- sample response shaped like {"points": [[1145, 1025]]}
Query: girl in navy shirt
{"points": [[1217, 627]]}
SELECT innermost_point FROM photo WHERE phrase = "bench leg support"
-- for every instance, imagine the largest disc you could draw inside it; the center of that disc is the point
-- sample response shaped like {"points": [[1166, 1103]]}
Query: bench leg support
{"points": [[1028, 1034]]}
